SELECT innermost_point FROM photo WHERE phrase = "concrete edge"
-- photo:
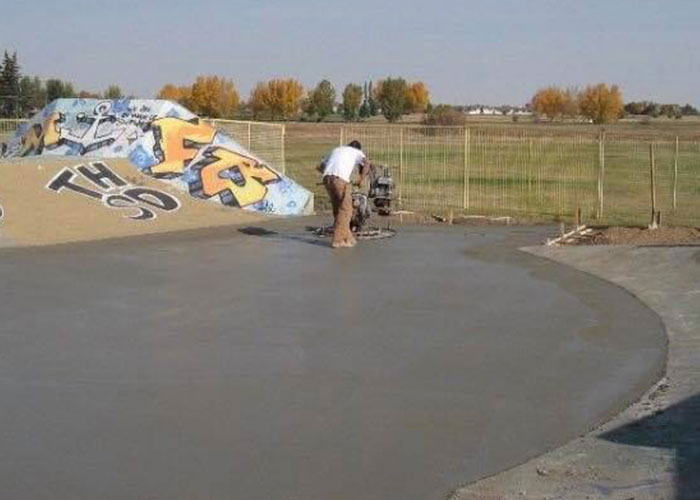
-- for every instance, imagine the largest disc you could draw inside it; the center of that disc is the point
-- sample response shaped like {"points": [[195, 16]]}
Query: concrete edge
{"points": [[655, 468]]}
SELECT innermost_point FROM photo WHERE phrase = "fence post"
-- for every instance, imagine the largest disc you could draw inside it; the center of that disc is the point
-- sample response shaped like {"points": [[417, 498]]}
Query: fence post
{"points": [[284, 159], [601, 173], [467, 152], [675, 174], [401, 167], [250, 135], [652, 184], [342, 133]]}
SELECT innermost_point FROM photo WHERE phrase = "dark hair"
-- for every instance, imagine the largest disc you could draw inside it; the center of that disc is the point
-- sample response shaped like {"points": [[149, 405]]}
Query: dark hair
{"points": [[356, 145]]}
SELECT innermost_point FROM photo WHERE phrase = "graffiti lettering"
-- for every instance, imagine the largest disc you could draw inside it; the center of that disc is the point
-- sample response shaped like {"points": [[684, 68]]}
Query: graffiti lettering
{"points": [[238, 180], [100, 174], [64, 180], [122, 201], [146, 201], [176, 143]]}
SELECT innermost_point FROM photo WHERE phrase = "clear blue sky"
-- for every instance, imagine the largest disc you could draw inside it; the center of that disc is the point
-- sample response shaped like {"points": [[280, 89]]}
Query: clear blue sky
{"points": [[467, 51]]}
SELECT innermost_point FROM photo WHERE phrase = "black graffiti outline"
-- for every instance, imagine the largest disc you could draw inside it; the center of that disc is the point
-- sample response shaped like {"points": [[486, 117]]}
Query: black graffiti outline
{"points": [[114, 190]]}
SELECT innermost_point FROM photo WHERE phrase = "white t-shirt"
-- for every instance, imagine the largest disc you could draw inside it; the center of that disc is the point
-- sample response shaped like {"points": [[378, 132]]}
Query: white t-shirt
{"points": [[342, 161]]}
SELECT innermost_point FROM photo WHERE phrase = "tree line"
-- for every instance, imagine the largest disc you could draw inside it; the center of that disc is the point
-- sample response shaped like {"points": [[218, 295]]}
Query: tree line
{"points": [[284, 99], [655, 109], [601, 103], [23, 95]]}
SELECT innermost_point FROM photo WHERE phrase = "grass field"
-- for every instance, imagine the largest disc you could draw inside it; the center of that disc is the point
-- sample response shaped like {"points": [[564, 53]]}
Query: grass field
{"points": [[542, 170]]}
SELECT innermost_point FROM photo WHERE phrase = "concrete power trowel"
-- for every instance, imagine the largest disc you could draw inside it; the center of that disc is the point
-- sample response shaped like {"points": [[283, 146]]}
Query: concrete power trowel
{"points": [[377, 198]]}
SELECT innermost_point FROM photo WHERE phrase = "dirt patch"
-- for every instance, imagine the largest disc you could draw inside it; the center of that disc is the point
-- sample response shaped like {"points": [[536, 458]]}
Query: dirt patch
{"points": [[638, 236]]}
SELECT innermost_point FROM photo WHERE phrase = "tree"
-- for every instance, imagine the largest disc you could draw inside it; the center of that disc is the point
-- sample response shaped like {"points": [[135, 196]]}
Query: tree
{"points": [[180, 95], [9, 86], [113, 92], [352, 97], [391, 97], [417, 97], [636, 108], [688, 110], [322, 100], [550, 102], [278, 98], [32, 95], [571, 107], [445, 115], [259, 99], [372, 106], [671, 110], [601, 103], [58, 89], [214, 97], [86, 94]]}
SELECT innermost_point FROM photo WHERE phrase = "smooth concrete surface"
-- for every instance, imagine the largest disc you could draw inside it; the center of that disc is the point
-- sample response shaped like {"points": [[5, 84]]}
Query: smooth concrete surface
{"points": [[651, 451], [261, 364]]}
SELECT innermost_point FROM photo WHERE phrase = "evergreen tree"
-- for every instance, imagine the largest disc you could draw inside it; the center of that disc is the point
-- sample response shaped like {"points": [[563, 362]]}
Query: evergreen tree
{"points": [[32, 95], [371, 101], [9, 86]]}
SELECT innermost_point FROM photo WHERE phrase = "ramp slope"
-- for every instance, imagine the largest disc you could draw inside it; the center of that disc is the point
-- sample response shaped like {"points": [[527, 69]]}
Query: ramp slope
{"points": [[149, 160], [48, 201]]}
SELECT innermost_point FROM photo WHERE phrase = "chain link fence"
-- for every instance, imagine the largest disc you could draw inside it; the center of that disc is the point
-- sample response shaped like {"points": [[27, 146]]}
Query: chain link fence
{"points": [[265, 140], [550, 174], [8, 127]]}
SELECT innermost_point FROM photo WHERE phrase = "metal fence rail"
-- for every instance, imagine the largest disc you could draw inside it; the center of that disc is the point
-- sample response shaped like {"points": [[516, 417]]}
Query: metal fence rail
{"points": [[500, 170], [265, 140], [8, 127]]}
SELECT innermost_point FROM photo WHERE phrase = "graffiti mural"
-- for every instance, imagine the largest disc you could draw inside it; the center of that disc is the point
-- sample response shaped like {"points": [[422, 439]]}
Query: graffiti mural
{"points": [[238, 180], [164, 140], [175, 143], [105, 186]]}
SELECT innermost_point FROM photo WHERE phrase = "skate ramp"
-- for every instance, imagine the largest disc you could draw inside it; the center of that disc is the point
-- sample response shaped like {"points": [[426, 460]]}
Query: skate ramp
{"points": [[150, 165], [58, 200]]}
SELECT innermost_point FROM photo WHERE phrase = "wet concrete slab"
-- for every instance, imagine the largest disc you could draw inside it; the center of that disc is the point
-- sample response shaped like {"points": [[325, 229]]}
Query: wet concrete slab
{"points": [[261, 364]]}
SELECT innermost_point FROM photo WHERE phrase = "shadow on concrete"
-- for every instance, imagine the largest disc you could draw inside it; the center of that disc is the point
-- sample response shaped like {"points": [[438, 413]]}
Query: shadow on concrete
{"points": [[266, 233], [677, 428]]}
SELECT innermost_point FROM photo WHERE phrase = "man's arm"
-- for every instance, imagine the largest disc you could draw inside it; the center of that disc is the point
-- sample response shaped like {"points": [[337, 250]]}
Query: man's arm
{"points": [[363, 171], [322, 166]]}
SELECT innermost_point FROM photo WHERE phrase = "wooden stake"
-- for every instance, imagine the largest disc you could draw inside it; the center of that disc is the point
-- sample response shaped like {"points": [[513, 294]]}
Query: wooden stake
{"points": [[467, 152], [675, 174], [652, 185], [578, 216], [601, 172], [401, 167]]}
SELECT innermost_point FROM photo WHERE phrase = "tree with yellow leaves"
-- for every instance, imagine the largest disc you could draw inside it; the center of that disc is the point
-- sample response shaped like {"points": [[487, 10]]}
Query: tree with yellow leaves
{"points": [[550, 102], [258, 100], [601, 104], [417, 97], [211, 96], [214, 97], [279, 98]]}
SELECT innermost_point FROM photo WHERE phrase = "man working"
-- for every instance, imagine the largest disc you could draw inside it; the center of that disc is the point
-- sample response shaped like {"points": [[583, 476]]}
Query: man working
{"points": [[337, 168]]}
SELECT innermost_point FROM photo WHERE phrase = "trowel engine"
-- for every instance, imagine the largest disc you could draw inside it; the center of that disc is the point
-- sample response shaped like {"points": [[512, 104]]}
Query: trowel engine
{"points": [[378, 198]]}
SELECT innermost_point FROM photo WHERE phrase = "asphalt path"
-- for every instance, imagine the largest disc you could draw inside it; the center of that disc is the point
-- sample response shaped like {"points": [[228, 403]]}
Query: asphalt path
{"points": [[261, 364]]}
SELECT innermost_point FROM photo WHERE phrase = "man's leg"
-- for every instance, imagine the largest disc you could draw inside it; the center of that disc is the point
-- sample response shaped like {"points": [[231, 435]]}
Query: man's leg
{"points": [[332, 194], [334, 197], [342, 225]]}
